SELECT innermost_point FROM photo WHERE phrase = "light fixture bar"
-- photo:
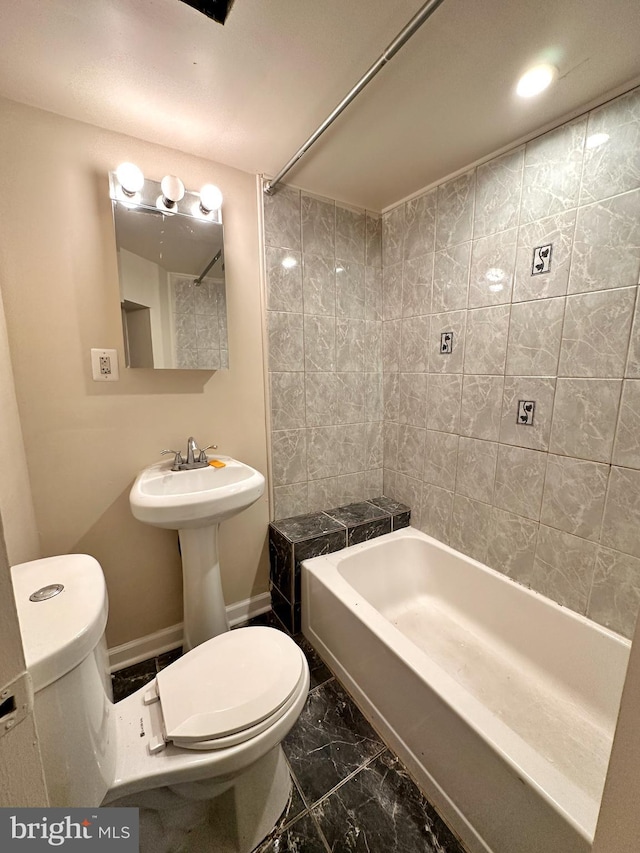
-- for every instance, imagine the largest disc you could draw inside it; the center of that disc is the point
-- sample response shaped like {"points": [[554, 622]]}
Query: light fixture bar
{"points": [[402, 38]]}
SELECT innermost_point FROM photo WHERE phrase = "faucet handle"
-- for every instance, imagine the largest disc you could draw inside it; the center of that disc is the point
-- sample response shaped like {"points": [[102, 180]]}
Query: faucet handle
{"points": [[203, 452], [178, 460]]}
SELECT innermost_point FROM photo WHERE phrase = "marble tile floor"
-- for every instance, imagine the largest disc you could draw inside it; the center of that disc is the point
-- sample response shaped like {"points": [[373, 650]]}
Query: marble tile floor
{"points": [[350, 792]]}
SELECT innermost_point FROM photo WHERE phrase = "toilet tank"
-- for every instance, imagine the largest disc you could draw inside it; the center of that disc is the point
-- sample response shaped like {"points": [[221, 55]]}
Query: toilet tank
{"points": [[66, 656]]}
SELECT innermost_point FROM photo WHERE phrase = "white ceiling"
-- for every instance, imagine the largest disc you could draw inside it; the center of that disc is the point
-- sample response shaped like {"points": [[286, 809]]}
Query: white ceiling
{"points": [[249, 93]]}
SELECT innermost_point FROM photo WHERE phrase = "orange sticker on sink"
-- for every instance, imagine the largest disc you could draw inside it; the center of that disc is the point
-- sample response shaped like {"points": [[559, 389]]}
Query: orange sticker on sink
{"points": [[216, 463]]}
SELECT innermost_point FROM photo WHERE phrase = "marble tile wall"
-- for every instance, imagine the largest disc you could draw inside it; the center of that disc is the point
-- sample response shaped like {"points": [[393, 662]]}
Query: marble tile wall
{"points": [[324, 319], [517, 283]]}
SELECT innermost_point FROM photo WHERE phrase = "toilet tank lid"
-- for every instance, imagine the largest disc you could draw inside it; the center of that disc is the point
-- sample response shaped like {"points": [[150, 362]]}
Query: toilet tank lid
{"points": [[58, 633]]}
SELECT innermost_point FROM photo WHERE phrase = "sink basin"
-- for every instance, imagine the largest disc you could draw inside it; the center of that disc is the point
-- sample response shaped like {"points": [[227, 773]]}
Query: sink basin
{"points": [[197, 498]]}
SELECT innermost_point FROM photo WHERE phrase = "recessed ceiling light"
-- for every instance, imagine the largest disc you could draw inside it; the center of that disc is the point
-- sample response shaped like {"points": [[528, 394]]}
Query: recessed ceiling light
{"points": [[535, 80]]}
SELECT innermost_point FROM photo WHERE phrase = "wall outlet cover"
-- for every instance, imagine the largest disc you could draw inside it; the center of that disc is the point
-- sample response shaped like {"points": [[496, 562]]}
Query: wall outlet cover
{"points": [[104, 365]]}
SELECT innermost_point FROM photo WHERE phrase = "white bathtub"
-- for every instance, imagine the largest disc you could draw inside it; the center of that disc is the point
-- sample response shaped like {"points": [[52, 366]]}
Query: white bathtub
{"points": [[501, 703]]}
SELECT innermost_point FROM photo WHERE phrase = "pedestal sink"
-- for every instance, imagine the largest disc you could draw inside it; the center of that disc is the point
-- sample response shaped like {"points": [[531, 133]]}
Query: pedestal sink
{"points": [[194, 503]]}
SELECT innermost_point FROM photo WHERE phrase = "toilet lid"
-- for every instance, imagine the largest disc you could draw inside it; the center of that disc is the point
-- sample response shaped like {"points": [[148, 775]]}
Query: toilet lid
{"points": [[228, 684]]}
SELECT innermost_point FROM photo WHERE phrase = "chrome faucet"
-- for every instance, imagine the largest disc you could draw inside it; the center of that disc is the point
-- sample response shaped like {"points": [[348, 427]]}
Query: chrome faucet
{"points": [[196, 457]]}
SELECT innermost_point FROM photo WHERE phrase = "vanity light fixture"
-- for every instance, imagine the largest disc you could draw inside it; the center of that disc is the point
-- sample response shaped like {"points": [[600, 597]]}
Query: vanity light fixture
{"points": [[172, 192], [210, 198], [130, 178], [536, 80], [129, 186]]}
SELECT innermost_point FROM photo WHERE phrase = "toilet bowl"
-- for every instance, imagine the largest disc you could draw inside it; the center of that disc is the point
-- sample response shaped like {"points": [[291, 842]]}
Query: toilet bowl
{"points": [[197, 750]]}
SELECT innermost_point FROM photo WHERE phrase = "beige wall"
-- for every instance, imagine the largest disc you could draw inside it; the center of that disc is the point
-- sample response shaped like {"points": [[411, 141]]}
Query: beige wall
{"points": [[84, 440], [21, 778]]}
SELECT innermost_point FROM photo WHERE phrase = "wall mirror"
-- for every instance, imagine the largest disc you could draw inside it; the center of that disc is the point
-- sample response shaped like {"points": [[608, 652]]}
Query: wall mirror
{"points": [[171, 271]]}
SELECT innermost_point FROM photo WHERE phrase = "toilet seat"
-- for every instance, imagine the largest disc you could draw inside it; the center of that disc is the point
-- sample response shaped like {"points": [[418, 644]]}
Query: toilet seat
{"points": [[227, 690]]}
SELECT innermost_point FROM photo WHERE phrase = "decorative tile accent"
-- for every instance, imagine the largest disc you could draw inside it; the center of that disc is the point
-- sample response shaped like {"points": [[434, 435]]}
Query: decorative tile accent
{"points": [[526, 412], [447, 342], [308, 526], [541, 263], [584, 418], [542, 391], [574, 493], [556, 231], [595, 337]]}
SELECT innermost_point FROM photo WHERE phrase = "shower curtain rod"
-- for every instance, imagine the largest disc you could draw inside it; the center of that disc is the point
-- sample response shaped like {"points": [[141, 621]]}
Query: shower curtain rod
{"points": [[403, 36], [198, 281]]}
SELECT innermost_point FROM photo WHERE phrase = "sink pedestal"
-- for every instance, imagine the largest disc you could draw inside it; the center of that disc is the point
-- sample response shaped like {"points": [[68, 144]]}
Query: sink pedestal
{"points": [[205, 615]]}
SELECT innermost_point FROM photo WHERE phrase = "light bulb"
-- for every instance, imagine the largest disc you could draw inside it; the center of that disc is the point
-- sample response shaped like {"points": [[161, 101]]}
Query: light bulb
{"points": [[597, 139], [130, 178], [172, 190], [535, 80], [210, 198]]}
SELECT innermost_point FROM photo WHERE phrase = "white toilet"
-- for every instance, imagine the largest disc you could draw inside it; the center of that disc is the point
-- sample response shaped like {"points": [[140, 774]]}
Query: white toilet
{"points": [[197, 750]]}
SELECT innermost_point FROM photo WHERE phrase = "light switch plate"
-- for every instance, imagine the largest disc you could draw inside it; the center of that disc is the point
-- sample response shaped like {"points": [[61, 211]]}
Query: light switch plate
{"points": [[104, 365]]}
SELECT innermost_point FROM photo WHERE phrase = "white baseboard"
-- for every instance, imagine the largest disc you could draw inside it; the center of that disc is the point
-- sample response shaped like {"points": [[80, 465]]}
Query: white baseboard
{"points": [[171, 638]]}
